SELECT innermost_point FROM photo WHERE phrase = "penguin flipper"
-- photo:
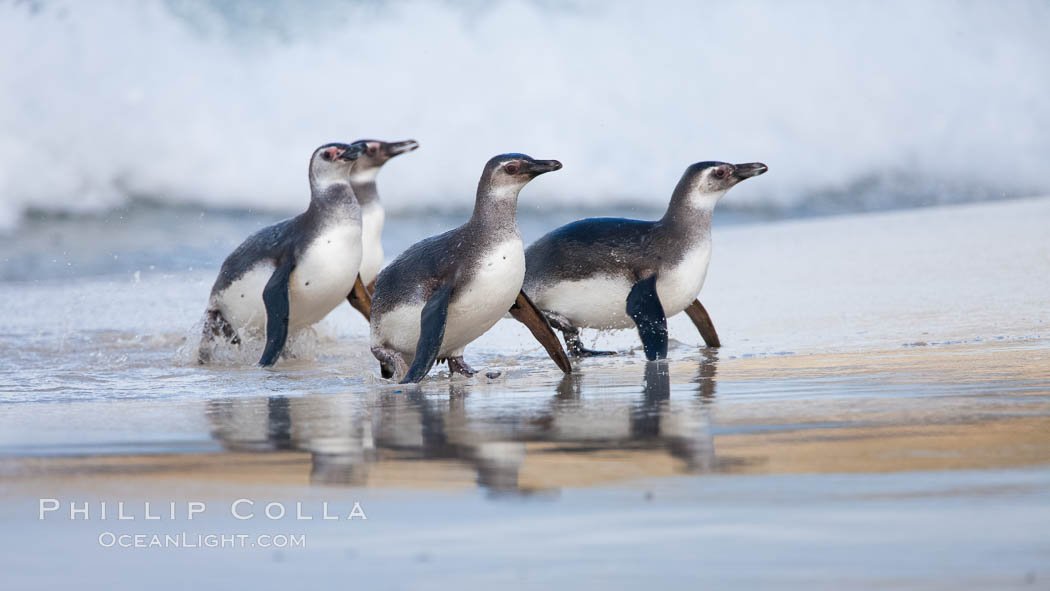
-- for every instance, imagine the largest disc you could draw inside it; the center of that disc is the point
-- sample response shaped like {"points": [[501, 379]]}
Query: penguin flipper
{"points": [[361, 299], [698, 314], [275, 297], [525, 312], [431, 333], [644, 307]]}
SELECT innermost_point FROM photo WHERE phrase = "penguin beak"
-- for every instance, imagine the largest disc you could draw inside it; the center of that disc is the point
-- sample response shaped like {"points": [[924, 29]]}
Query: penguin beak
{"points": [[746, 171], [352, 151], [538, 167], [395, 148]]}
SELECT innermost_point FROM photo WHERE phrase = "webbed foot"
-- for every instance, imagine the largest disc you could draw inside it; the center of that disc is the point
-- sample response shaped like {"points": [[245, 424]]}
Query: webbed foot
{"points": [[458, 365], [391, 362]]}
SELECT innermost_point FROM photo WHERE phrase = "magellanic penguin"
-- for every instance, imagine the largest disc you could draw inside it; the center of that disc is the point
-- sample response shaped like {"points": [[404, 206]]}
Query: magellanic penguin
{"points": [[363, 180], [290, 275], [446, 291], [611, 273]]}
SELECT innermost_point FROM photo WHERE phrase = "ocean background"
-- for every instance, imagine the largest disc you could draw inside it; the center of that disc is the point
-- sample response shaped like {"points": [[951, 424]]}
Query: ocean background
{"points": [[216, 105]]}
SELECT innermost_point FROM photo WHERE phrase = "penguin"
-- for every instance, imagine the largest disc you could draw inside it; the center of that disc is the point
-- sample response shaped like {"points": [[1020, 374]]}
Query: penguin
{"points": [[363, 181], [290, 275], [447, 290], [610, 273]]}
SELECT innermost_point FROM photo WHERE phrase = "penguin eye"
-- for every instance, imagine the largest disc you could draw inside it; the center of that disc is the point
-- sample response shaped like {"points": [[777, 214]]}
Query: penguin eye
{"points": [[720, 173], [511, 168], [372, 149], [327, 155]]}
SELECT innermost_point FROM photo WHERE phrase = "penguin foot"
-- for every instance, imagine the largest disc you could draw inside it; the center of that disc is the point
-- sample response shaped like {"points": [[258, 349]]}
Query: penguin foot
{"points": [[391, 363], [582, 352], [576, 348], [458, 365], [572, 337], [216, 329]]}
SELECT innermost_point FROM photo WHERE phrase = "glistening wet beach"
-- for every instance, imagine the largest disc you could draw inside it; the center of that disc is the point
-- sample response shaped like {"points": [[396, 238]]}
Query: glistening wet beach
{"points": [[884, 468], [878, 412]]}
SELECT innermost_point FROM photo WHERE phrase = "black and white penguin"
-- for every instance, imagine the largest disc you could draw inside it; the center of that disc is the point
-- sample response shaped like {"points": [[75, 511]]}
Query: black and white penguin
{"points": [[447, 290], [290, 275], [612, 273], [363, 180]]}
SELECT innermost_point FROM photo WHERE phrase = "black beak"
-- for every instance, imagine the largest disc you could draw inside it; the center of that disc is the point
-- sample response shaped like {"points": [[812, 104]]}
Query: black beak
{"points": [[538, 167], [395, 148], [352, 151], [746, 171]]}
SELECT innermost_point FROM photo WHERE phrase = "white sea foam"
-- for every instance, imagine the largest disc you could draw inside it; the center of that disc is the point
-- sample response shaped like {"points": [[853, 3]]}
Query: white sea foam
{"points": [[222, 103]]}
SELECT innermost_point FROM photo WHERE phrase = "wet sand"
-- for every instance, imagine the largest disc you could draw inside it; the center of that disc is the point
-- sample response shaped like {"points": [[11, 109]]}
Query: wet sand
{"points": [[949, 407], [894, 469]]}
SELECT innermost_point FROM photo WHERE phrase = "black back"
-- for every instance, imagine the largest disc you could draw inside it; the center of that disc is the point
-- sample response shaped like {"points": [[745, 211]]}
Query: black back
{"points": [[610, 247]]}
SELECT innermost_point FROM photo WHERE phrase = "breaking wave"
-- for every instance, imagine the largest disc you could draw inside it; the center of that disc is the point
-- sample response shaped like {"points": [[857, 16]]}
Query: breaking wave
{"points": [[854, 106]]}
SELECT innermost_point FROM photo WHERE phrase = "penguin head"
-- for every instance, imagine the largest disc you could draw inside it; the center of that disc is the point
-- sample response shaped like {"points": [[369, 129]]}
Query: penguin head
{"points": [[706, 182], [506, 174], [333, 162], [375, 155]]}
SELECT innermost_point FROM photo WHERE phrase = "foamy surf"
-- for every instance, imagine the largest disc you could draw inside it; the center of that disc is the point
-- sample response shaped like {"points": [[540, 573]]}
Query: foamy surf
{"points": [[220, 103]]}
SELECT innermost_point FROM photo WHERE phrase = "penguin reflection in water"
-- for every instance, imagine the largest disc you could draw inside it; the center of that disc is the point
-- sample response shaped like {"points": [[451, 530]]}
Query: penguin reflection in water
{"points": [[290, 275], [448, 290], [612, 273]]}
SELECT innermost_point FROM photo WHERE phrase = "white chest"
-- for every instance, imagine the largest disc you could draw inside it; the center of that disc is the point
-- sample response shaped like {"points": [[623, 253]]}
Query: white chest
{"points": [[679, 285], [372, 218], [324, 273], [480, 302], [476, 304]]}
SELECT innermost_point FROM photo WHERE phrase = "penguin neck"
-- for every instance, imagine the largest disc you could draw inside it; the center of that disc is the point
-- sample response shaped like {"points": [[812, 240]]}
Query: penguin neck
{"points": [[496, 209], [366, 192], [334, 200], [690, 212], [364, 184]]}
